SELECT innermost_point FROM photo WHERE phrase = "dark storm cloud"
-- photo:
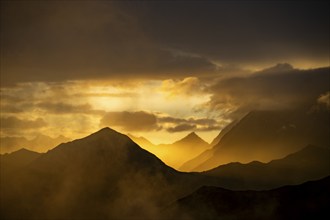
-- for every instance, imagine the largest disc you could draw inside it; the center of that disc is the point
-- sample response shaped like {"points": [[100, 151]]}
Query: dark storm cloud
{"points": [[62, 40], [270, 90], [58, 40], [243, 32]]}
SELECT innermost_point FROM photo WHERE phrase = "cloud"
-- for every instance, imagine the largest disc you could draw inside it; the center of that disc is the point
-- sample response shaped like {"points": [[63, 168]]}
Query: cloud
{"points": [[70, 40], [145, 121], [16, 123], [186, 87], [130, 121], [173, 124], [86, 40], [226, 31], [268, 91], [65, 108], [324, 99], [181, 127]]}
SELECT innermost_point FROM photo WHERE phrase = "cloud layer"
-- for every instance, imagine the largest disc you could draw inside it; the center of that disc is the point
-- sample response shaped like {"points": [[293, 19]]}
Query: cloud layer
{"points": [[69, 40], [269, 90]]}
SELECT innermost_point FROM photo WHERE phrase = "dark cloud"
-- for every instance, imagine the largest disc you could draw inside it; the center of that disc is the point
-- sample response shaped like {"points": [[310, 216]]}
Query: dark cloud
{"points": [[242, 32], [145, 121], [65, 108], [58, 40], [16, 123], [199, 121], [269, 91], [68, 40], [182, 127], [130, 121], [190, 124], [169, 119]]}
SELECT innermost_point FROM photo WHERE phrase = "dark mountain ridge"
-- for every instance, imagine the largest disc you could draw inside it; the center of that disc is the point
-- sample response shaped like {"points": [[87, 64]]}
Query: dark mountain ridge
{"points": [[306, 201]]}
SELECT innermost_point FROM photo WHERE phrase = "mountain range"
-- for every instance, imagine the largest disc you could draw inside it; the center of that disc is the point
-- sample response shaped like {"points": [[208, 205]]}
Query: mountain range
{"points": [[264, 136], [105, 174], [109, 176], [40, 143]]}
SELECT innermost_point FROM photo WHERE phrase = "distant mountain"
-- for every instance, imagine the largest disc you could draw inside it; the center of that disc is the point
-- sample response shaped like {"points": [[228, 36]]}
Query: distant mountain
{"points": [[142, 142], [17, 160], [267, 135], [41, 143], [310, 163], [177, 153], [180, 151], [222, 133], [307, 201], [205, 155]]}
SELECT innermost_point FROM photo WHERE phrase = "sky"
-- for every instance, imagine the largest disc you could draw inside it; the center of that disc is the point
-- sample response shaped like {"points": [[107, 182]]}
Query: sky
{"points": [[157, 69]]}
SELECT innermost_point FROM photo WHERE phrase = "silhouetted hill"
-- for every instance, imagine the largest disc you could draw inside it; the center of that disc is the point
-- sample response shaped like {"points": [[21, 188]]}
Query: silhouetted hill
{"points": [[310, 163], [267, 135], [307, 201], [17, 160], [41, 143]]}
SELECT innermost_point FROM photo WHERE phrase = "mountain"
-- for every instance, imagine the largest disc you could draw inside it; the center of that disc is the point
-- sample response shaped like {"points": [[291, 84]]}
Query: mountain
{"points": [[310, 163], [267, 135], [177, 153], [105, 174], [306, 201], [205, 155], [40, 143], [182, 150], [142, 142], [109, 176], [17, 160], [222, 133]]}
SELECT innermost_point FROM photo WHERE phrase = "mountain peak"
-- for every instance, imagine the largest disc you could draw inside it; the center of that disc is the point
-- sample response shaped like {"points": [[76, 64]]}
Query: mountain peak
{"points": [[106, 131], [192, 134], [191, 138], [24, 151]]}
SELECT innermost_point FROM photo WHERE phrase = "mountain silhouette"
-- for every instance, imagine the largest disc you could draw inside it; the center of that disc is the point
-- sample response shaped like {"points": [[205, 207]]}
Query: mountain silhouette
{"points": [[267, 135], [40, 143], [17, 160], [306, 201], [310, 163], [104, 174]]}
